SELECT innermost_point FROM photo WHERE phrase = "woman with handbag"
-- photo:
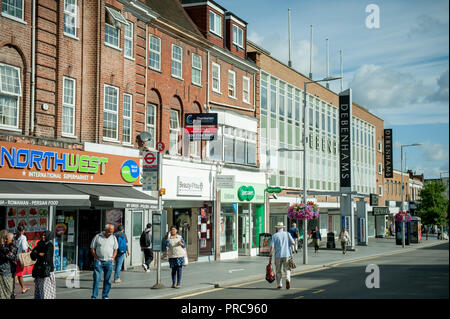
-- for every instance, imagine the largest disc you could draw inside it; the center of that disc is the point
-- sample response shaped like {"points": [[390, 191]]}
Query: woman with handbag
{"points": [[176, 252], [43, 270], [8, 257], [22, 247]]}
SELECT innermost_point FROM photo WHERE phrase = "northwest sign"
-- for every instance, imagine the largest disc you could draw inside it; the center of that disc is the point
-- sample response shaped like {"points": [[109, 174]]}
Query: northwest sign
{"points": [[246, 193], [388, 169], [345, 129], [200, 127], [41, 163]]}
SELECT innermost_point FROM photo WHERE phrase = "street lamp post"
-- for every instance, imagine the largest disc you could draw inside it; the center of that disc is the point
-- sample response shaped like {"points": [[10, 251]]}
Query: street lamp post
{"points": [[305, 226], [401, 172]]}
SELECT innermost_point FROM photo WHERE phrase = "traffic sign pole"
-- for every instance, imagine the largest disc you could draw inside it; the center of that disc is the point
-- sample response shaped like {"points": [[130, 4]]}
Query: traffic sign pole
{"points": [[158, 284]]}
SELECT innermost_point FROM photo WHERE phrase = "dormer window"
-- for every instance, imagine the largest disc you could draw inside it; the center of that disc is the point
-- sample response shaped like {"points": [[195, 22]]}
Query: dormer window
{"points": [[238, 36], [215, 23]]}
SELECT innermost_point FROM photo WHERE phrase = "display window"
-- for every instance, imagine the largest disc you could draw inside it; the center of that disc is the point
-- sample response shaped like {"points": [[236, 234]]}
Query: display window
{"points": [[65, 239]]}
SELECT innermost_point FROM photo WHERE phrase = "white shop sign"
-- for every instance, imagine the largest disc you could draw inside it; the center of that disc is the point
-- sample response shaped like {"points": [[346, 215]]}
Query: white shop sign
{"points": [[190, 186]]}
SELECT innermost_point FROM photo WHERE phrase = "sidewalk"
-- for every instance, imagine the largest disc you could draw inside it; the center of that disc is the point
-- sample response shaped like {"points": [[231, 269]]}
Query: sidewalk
{"points": [[207, 275]]}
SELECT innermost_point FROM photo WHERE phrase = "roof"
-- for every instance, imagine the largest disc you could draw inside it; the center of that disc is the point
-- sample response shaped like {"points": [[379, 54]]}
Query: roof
{"points": [[202, 2], [172, 11]]}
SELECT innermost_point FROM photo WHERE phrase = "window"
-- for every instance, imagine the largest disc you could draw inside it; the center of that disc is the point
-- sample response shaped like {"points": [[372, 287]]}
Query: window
{"points": [[196, 69], [177, 60], [380, 190], [13, 8], [215, 23], [126, 124], [246, 90], [216, 147], [113, 20], [128, 38], [174, 132], [70, 17], [380, 149], [10, 92], [380, 168], [238, 36], [111, 105], [151, 124], [231, 83], [68, 116], [155, 53], [216, 77]]}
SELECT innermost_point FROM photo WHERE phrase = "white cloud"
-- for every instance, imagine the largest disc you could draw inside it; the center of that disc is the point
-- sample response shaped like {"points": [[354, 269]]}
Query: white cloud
{"points": [[434, 152], [442, 93]]}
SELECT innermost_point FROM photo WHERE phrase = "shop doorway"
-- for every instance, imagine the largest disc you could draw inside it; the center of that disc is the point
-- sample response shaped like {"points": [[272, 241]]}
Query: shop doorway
{"points": [[89, 224], [244, 234], [274, 220], [188, 229], [137, 220]]}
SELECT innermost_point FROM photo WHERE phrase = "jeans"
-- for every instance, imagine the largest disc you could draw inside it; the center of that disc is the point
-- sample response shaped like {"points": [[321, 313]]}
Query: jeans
{"points": [[176, 274], [119, 262], [107, 268], [83, 258], [148, 255]]}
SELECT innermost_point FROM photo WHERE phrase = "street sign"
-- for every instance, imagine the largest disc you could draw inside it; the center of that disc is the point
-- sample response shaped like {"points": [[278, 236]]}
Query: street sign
{"points": [[373, 200], [274, 190], [380, 210], [160, 146], [150, 181], [225, 181], [150, 162]]}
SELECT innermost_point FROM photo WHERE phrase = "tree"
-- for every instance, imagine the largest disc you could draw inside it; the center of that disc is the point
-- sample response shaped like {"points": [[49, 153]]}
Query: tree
{"points": [[433, 209]]}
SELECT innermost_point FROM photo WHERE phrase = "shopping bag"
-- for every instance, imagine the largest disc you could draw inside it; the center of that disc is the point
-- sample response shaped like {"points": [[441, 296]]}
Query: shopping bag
{"points": [[186, 261], [25, 260], [270, 276]]}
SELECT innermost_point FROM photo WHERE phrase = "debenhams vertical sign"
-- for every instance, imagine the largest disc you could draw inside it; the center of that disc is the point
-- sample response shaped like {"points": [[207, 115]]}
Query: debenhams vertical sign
{"points": [[345, 129], [388, 169]]}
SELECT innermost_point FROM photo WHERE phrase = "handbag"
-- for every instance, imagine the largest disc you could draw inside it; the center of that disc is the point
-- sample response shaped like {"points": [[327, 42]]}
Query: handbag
{"points": [[25, 259], [291, 262], [270, 276], [186, 261]]}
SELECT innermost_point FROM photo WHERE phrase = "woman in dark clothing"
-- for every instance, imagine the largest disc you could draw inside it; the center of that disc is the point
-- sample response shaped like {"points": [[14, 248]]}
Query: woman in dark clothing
{"points": [[43, 270], [8, 256], [316, 238]]}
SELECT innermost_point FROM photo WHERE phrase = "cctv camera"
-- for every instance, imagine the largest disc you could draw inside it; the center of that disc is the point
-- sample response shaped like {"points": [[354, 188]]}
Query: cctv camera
{"points": [[274, 196]]}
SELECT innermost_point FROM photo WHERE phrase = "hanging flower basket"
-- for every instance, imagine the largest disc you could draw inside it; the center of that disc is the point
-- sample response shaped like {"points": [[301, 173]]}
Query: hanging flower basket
{"points": [[403, 216], [302, 211]]}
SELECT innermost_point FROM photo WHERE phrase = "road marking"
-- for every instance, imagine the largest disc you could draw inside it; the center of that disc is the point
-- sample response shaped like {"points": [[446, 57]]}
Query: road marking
{"points": [[232, 270], [300, 297], [318, 291]]}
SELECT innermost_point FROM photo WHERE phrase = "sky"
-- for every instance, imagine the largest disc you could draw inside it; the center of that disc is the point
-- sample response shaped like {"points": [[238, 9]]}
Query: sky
{"points": [[397, 68]]}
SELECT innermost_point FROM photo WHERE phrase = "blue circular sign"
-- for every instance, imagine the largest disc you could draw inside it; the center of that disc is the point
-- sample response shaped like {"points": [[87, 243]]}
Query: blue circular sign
{"points": [[130, 171]]}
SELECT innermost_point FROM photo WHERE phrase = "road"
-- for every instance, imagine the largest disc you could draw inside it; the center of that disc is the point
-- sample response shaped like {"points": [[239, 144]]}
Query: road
{"points": [[422, 273]]}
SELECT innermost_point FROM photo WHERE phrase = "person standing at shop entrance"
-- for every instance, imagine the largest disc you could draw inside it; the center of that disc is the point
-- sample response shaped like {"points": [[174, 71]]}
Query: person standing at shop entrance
{"points": [[146, 246], [104, 249]]}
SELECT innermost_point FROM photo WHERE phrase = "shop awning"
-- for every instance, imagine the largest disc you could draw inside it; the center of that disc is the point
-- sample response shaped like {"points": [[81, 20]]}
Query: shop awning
{"points": [[24, 193], [116, 196]]}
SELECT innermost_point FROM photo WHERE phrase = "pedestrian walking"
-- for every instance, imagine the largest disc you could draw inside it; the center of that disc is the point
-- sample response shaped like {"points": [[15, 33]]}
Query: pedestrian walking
{"points": [[316, 239], [344, 238], [146, 247], [281, 248], [104, 249], [176, 251], [122, 252], [43, 269], [22, 247], [8, 258], [295, 235]]}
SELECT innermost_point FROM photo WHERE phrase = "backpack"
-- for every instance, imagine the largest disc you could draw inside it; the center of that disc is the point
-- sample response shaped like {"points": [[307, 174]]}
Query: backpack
{"points": [[122, 243], [144, 241]]}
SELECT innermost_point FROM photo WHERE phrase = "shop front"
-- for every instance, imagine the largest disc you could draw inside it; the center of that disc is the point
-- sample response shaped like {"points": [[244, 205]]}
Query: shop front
{"points": [[74, 193], [189, 206], [241, 220]]}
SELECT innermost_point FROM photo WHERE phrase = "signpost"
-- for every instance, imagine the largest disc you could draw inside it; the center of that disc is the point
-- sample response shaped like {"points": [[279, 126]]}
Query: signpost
{"points": [[380, 210], [150, 171], [225, 181], [373, 200]]}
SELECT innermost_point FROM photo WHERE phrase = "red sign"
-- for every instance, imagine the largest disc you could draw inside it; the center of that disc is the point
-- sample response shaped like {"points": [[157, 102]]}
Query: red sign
{"points": [[160, 146], [149, 159], [150, 162]]}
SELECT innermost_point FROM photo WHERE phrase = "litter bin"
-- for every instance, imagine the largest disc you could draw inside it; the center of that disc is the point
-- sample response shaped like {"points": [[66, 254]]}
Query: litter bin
{"points": [[330, 240], [265, 239]]}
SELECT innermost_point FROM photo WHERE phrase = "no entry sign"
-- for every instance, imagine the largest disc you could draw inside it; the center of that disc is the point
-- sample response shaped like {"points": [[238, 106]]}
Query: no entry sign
{"points": [[150, 162]]}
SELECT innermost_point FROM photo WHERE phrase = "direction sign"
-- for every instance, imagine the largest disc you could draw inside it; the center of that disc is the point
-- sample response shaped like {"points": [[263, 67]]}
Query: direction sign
{"points": [[150, 181], [225, 181], [274, 190], [160, 146], [150, 162]]}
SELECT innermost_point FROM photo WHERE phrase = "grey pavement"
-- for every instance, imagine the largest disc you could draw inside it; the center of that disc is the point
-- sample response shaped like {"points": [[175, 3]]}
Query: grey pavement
{"points": [[201, 276]]}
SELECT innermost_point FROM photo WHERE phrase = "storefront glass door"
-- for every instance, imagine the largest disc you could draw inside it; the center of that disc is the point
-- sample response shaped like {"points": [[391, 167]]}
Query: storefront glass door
{"points": [[89, 226], [138, 228], [65, 239], [244, 226]]}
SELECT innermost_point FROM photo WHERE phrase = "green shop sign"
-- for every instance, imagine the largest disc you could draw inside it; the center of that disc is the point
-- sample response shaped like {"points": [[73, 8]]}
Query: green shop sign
{"points": [[246, 193], [274, 190]]}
